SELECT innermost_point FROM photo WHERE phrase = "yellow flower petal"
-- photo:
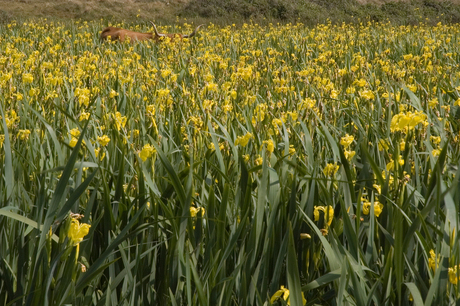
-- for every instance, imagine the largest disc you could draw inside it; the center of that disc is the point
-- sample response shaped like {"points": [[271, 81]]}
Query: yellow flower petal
{"points": [[77, 231]]}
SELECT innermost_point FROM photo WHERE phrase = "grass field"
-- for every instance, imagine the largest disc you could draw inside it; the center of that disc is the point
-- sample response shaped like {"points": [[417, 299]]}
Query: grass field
{"points": [[224, 12], [250, 165]]}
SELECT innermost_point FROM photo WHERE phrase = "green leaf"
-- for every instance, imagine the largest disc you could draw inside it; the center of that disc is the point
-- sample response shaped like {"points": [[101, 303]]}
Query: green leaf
{"points": [[98, 266], [295, 290], [323, 280], [5, 211], [9, 175], [416, 296]]}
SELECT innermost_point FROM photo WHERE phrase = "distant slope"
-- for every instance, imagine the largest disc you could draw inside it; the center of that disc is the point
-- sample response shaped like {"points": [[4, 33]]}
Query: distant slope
{"points": [[115, 10], [225, 11]]}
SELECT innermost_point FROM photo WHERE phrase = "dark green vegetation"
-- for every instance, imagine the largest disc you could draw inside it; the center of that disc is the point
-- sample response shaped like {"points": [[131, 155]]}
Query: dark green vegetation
{"points": [[318, 11]]}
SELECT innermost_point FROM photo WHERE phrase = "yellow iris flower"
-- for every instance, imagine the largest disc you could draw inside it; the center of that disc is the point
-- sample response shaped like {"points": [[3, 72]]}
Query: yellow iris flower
{"points": [[146, 152], [77, 231], [285, 293], [328, 213]]}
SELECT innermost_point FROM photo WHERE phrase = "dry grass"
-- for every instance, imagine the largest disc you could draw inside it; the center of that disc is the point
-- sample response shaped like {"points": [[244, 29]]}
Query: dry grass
{"points": [[379, 2], [112, 10], [91, 9]]}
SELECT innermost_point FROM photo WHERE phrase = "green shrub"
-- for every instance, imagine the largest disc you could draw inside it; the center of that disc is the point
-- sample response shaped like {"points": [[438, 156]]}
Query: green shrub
{"points": [[317, 11]]}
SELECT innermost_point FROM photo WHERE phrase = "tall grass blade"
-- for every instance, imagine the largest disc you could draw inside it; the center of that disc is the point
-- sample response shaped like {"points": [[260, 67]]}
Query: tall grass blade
{"points": [[295, 290]]}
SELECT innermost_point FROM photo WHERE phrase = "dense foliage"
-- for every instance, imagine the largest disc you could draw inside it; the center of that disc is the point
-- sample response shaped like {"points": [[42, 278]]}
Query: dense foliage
{"points": [[311, 12], [251, 165]]}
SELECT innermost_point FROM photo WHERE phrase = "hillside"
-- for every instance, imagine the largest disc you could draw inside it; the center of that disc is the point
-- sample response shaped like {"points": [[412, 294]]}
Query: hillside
{"points": [[224, 11]]}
